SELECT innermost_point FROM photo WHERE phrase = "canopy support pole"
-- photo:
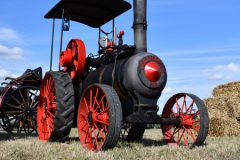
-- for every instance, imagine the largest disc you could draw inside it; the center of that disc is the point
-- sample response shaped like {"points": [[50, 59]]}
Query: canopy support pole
{"points": [[52, 43], [61, 38]]}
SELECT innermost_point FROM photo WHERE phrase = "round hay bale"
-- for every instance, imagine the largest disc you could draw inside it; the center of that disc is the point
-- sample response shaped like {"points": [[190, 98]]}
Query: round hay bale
{"points": [[224, 127], [224, 110], [230, 89]]}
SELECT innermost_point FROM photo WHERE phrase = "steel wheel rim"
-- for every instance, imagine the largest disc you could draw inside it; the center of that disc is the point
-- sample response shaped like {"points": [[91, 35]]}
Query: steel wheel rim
{"points": [[93, 119], [46, 108], [20, 108], [184, 107]]}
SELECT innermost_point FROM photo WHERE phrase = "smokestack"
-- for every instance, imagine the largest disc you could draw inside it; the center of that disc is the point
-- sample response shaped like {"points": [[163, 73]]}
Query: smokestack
{"points": [[140, 25]]}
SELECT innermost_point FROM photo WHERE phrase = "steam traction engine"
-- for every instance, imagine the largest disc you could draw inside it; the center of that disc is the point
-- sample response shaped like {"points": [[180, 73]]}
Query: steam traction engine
{"points": [[112, 94]]}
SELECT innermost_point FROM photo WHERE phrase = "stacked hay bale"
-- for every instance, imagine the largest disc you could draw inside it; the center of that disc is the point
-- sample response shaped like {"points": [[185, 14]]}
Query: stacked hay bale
{"points": [[224, 110]]}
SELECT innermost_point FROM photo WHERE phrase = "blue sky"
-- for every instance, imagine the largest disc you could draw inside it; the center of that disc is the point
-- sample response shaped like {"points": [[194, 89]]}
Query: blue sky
{"points": [[198, 40]]}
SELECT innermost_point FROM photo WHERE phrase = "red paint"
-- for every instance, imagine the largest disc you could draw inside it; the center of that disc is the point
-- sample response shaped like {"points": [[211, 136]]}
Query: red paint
{"points": [[46, 108], [93, 119], [152, 71], [121, 33], [73, 59]]}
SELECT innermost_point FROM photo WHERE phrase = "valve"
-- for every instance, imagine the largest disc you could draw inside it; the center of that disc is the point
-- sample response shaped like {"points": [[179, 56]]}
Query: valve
{"points": [[120, 39]]}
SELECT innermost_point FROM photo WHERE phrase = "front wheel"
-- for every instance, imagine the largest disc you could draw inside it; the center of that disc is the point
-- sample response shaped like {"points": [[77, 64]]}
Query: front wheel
{"points": [[193, 114], [99, 118]]}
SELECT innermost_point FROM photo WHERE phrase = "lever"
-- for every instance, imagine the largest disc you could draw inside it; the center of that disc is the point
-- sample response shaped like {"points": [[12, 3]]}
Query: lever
{"points": [[120, 39]]}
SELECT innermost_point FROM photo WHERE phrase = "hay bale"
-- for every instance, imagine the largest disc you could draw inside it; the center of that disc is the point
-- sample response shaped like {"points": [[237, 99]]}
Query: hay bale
{"points": [[224, 127], [224, 110], [230, 89]]}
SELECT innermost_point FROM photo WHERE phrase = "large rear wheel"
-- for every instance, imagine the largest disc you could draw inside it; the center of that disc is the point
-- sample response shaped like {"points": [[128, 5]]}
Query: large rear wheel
{"points": [[193, 114], [99, 118], [56, 107]]}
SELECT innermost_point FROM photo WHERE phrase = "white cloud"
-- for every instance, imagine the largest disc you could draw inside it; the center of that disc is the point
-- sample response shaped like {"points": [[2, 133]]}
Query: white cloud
{"points": [[6, 73], [9, 35], [10, 53], [222, 72], [9, 38], [231, 67]]}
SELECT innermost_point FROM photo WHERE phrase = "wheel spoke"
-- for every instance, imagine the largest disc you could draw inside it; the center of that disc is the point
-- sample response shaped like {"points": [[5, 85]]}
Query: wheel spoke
{"points": [[106, 110], [91, 101], [33, 99], [35, 105], [84, 116], [95, 98], [12, 112], [14, 106], [95, 139], [184, 102], [192, 135], [178, 106], [185, 139], [15, 99], [99, 131], [23, 100], [86, 104], [176, 130], [100, 102], [14, 117], [85, 125], [190, 107], [195, 114], [50, 115], [88, 135], [102, 122], [28, 105]]}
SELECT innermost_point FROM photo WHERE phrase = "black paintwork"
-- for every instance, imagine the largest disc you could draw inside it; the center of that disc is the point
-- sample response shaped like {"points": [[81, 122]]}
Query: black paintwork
{"points": [[140, 25], [127, 82], [93, 13]]}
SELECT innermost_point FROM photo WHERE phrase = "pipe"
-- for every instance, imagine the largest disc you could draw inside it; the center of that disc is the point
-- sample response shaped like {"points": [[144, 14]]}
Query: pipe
{"points": [[140, 25]]}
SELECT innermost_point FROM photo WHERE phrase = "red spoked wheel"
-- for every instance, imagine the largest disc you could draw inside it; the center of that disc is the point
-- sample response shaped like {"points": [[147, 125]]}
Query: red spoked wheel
{"points": [[193, 114], [73, 59], [56, 107], [99, 118]]}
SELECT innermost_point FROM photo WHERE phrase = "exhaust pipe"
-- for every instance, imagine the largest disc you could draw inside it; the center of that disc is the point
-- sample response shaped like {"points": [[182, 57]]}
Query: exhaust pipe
{"points": [[140, 25]]}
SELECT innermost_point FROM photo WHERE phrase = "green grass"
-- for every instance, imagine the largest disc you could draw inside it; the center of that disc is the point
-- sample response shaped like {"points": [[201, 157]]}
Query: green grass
{"points": [[14, 147]]}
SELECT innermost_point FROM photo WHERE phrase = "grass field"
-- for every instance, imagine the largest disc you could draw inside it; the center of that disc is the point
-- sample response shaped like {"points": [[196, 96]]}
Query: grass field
{"points": [[152, 147]]}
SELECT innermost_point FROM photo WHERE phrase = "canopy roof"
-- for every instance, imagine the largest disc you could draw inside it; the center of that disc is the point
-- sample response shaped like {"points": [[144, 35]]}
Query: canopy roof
{"points": [[93, 13]]}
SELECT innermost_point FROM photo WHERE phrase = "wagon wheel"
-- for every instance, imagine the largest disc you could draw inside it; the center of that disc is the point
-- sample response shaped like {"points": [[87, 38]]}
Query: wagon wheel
{"points": [[99, 118], [19, 109], [56, 107], [132, 131], [193, 128]]}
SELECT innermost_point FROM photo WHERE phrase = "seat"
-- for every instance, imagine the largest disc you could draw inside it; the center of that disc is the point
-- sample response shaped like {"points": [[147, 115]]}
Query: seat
{"points": [[31, 74]]}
